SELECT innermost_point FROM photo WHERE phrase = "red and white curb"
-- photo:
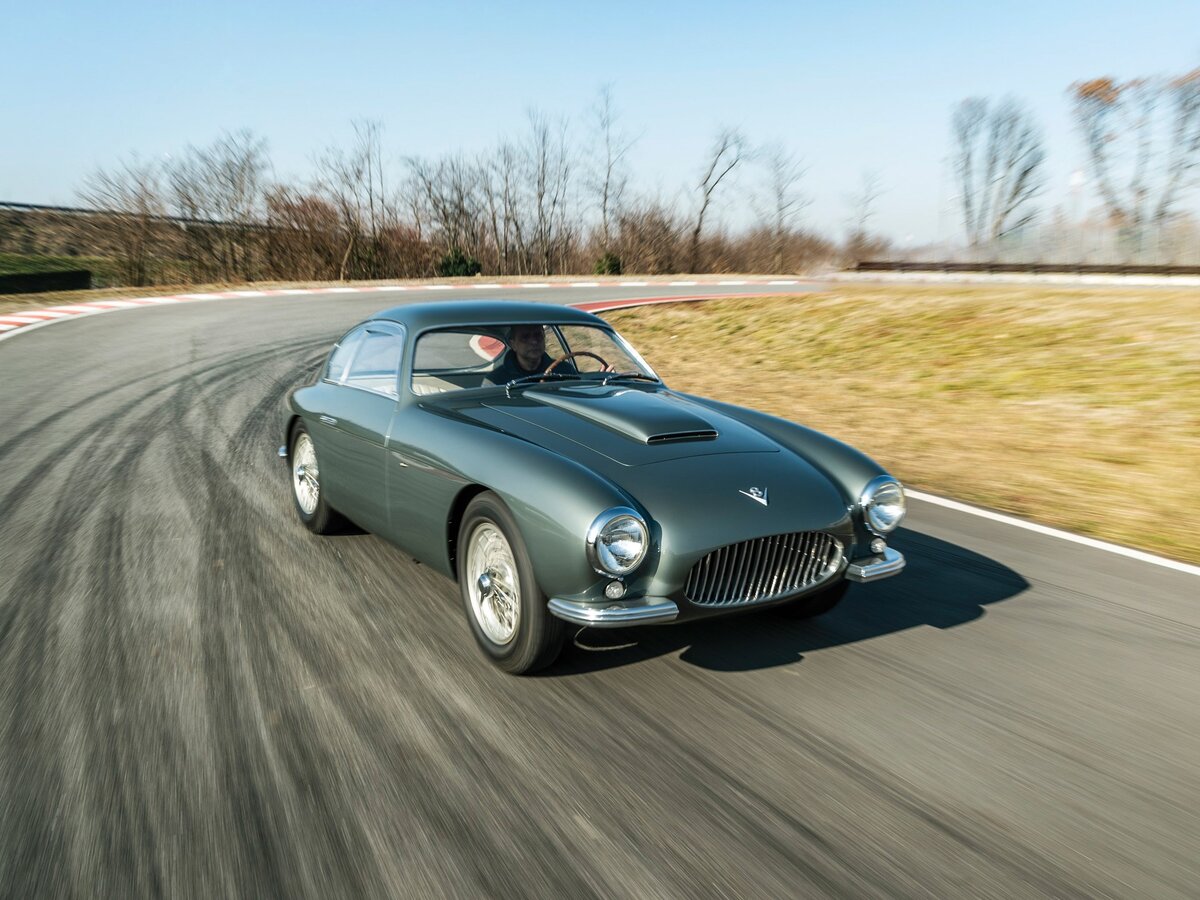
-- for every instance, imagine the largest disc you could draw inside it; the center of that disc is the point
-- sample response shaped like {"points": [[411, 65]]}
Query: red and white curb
{"points": [[25, 320]]}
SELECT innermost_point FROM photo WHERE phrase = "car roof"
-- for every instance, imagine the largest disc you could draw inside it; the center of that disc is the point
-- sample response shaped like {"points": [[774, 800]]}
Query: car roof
{"points": [[451, 313]]}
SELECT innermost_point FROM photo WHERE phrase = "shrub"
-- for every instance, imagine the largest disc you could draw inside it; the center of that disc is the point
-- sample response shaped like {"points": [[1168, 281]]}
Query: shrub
{"points": [[608, 264], [457, 264]]}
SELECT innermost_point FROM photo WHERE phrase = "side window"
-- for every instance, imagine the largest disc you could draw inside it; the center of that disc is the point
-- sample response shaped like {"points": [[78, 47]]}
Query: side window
{"points": [[376, 364], [342, 354]]}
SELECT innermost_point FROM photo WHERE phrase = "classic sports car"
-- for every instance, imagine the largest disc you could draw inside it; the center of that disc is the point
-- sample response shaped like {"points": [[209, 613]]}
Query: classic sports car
{"points": [[529, 452]]}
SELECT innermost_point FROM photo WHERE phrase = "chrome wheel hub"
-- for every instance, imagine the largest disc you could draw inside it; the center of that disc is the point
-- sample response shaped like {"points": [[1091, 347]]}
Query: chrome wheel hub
{"points": [[493, 586], [306, 481]]}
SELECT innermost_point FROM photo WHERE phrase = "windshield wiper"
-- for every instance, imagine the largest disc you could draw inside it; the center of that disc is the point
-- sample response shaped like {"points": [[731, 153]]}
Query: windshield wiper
{"points": [[641, 376], [536, 377]]}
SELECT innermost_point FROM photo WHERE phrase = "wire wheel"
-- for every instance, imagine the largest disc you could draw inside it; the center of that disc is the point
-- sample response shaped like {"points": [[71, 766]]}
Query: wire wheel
{"points": [[306, 476], [493, 585]]}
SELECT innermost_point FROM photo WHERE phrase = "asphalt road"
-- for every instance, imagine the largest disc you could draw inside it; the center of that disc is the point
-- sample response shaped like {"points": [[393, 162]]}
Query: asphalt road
{"points": [[199, 698]]}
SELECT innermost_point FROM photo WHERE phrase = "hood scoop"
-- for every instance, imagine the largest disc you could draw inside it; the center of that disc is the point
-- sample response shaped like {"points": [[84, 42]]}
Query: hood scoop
{"points": [[645, 416]]}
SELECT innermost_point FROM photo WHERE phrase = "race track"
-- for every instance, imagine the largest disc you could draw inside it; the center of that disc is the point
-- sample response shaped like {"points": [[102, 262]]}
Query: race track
{"points": [[198, 698]]}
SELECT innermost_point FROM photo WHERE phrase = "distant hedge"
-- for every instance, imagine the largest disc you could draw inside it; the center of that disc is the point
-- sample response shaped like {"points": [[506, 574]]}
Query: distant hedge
{"points": [[40, 282]]}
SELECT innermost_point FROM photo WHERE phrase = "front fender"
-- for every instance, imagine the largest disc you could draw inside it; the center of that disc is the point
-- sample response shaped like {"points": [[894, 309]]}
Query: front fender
{"points": [[554, 499]]}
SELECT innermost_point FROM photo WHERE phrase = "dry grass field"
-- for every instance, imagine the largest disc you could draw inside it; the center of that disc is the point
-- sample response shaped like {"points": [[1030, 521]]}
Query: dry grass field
{"points": [[1077, 407]]}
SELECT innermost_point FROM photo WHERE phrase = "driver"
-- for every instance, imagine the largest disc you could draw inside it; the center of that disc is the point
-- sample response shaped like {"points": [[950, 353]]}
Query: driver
{"points": [[526, 356]]}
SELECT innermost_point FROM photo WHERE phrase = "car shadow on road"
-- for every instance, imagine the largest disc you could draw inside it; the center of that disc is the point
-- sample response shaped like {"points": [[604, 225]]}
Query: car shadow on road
{"points": [[943, 585]]}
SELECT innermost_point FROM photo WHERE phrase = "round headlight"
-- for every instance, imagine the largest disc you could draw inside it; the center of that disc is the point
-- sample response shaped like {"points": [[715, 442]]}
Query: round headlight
{"points": [[617, 541], [883, 504]]}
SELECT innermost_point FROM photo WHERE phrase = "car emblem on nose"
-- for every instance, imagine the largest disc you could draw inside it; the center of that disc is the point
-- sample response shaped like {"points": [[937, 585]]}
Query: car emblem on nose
{"points": [[759, 495]]}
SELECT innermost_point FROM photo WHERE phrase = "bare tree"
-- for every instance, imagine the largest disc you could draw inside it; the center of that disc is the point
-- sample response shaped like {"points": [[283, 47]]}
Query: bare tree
{"points": [[860, 244], [783, 200], [1146, 134], [501, 184], [353, 181], [548, 171], [726, 153], [221, 188], [131, 194], [610, 175], [452, 200], [999, 160]]}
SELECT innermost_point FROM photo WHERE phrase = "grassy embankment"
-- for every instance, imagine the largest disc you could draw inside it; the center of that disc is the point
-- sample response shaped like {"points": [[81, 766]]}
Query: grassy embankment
{"points": [[1076, 407]]}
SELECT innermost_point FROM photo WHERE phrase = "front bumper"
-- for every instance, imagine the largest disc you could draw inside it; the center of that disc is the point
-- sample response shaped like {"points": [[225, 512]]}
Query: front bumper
{"points": [[872, 568], [659, 610], [644, 611]]}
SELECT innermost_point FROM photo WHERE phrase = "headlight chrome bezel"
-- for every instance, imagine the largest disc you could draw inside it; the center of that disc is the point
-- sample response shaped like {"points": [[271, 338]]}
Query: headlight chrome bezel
{"points": [[605, 521], [868, 502]]}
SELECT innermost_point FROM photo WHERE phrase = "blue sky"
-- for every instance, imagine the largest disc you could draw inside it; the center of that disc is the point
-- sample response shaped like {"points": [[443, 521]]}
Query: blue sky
{"points": [[849, 87]]}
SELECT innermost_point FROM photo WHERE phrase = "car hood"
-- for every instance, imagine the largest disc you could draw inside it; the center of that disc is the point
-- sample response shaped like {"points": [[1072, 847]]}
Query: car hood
{"points": [[685, 463], [626, 425]]}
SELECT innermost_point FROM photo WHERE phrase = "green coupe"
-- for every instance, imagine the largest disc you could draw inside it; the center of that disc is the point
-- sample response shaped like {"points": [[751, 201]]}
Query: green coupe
{"points": [[528, 451]]}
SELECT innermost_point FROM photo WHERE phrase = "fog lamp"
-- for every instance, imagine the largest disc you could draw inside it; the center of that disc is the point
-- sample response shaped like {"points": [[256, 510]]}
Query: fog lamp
{"points": [[614, 591]]}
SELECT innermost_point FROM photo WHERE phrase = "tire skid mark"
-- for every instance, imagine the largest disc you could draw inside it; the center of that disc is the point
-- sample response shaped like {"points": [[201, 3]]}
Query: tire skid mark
{"points": [[33, 645], [227, 359], [271, 760], [99, 462], [46, 466]]}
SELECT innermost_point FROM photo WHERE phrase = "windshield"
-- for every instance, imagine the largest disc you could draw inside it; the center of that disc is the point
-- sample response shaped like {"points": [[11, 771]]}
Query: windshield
{"points": [[462, 358]]}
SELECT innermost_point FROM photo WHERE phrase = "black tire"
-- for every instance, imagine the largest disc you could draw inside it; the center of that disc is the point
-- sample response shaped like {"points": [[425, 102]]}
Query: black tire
{"points": [[538, 637], [816, 604], [322, 518]]}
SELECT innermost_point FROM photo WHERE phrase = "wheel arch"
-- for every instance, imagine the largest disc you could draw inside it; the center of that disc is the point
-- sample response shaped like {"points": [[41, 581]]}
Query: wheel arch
{"points": [[454, 521], [287, 433]]}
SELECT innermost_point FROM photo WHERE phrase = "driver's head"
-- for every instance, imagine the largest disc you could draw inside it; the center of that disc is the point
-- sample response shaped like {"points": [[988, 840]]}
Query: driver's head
{"points": [[529, 344]]}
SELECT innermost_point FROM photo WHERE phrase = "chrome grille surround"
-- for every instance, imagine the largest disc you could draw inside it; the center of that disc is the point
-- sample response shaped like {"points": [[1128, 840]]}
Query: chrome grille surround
{"points": [[763, 569]]}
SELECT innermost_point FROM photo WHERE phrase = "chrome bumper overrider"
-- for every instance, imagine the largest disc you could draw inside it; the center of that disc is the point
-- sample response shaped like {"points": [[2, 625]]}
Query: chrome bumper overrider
{"points": [[647, 611], [872, 568]]}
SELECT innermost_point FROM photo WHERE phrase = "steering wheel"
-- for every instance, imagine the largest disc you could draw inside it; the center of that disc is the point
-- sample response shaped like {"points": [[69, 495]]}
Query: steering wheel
{"points": [[600, 359]]}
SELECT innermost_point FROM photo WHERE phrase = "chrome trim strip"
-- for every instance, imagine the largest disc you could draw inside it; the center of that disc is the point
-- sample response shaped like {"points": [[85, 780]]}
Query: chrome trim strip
{"points": [[873, 568], [647, 611]]}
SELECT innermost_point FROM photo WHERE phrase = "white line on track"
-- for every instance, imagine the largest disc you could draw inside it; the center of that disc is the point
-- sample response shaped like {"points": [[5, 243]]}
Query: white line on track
{"points": [[1055, 532], [21, 320], [485, 287], [682, 283]]}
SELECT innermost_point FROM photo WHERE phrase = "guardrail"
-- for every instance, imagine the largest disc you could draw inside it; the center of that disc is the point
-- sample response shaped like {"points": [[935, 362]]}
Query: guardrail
{"points": [[40, 282], [1023, 268]]}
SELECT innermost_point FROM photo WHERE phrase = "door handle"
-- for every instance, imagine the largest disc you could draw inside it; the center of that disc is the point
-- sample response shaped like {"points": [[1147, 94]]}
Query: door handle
{"points": [[328, 420]]}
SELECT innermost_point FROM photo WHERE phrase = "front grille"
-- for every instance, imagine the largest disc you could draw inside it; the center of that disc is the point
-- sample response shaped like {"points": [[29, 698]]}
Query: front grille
{"points": [[763, 569]]}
